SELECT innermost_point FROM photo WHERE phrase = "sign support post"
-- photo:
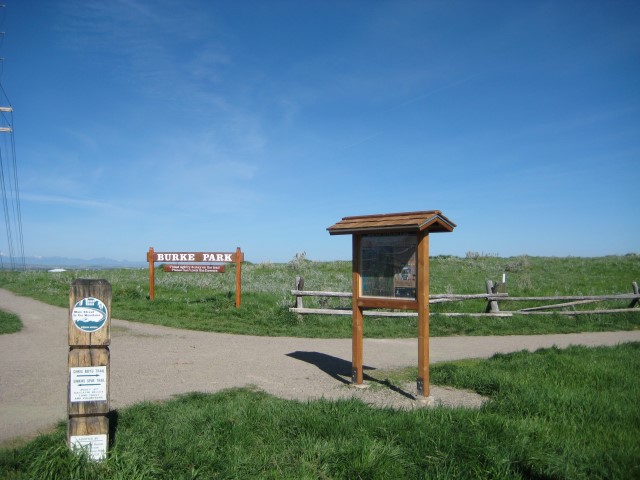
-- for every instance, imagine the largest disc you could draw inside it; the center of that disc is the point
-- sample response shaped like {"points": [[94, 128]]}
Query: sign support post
{"points": [[239, 259], [89, 358], [152, 273]]}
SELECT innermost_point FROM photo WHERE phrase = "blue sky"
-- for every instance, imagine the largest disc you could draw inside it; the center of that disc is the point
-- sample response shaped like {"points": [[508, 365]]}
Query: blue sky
{"points": [[198, 125]]}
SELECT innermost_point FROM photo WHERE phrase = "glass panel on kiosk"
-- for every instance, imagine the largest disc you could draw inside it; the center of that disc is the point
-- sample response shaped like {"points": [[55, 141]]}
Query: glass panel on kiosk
{"points": [[388, 265]]}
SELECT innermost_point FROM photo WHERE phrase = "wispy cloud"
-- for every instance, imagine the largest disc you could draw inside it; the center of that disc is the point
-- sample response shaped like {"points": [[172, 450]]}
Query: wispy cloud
{"points": [[145, 44], [430, 92], [68, 201]]}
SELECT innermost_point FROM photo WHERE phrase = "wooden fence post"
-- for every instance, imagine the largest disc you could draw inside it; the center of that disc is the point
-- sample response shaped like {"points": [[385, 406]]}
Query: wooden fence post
{"points": [[492, 305], [635, 301], [299, 286], [89, 331]]}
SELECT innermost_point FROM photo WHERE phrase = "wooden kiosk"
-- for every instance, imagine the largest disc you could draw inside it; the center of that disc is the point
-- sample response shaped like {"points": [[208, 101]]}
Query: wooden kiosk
{"points": [[391, 270]]}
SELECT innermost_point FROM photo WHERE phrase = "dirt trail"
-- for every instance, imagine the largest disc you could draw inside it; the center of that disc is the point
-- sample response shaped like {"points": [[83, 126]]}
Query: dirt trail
{"points": [[151, 362]]}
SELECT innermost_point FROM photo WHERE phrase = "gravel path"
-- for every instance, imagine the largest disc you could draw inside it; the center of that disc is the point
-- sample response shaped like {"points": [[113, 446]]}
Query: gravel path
{"points": [[150, 362]]}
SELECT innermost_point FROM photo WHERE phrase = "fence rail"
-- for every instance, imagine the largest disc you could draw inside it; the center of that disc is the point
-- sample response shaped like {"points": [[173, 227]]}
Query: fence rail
{"points": [[492, 296]]}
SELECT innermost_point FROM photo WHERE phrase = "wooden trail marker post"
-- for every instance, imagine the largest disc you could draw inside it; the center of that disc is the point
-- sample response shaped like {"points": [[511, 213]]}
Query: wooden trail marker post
{"points": [[88, 393], [390, 269], [210, 258]]}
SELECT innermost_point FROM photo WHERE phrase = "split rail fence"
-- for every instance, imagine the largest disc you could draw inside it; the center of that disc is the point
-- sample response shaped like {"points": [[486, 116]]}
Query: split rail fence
{"points": [[494, 294]]}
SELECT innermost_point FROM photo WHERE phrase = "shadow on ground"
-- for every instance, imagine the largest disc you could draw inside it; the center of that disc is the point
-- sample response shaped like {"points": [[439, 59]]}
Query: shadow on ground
{"points": [[340, 369]]}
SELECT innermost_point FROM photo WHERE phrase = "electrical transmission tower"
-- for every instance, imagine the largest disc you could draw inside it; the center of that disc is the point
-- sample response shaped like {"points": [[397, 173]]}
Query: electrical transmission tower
{"points": [[13, 258]]}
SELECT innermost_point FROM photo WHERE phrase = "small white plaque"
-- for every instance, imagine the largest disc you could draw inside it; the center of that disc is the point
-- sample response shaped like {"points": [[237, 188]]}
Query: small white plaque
{"points": [[88, 384], [95, 445]]}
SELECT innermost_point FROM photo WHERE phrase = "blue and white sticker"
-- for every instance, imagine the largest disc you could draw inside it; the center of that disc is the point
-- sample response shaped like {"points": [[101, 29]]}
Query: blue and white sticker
{"points": [[89, 314]]}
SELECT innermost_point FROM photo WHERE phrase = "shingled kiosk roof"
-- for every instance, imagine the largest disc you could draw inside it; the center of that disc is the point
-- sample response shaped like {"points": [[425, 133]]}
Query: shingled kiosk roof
{"points": [[428, 220]]}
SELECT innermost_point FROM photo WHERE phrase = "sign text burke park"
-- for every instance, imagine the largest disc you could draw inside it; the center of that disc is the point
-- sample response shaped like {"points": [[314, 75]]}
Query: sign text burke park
{"points": [[194, 257], [213, 260]]}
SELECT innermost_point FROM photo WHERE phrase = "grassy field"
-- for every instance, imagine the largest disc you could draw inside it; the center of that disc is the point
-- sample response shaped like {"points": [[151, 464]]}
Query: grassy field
{"points": [[9, 323], [206, 301], [553, 414]]}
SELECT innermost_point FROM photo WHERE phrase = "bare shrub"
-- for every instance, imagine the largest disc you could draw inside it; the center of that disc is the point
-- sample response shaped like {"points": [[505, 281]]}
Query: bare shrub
{"points": [[298, 261]]}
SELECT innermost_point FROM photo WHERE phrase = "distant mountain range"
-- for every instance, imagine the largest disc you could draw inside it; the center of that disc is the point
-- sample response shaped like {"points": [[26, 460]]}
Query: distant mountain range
{"points": [[66, 262]]}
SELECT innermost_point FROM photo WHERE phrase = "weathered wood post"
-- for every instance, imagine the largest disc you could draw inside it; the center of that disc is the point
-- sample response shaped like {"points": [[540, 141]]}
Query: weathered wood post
{"points": [[357, 317], [152, 273], [239, 260], [89, 331], [422, 294], [492, 305], [635, 301], [299, 286]]}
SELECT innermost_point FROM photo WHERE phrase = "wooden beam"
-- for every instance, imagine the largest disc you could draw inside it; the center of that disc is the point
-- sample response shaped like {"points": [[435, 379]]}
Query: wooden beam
{"points": [[558, 305], [343, 311], [152, 274], [623, 296], [357, 317], [435, 298], [580, 312], [422, 294], [239, 259], [317, 293], [380, 302]]}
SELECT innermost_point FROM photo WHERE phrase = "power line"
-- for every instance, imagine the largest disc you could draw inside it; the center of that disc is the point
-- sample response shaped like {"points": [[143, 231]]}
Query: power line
{"points": [[9, 185]]}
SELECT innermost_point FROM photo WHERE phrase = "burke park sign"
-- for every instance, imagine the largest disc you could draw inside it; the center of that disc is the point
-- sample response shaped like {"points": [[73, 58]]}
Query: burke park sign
{"points": [[194, 257], [208, 262]]}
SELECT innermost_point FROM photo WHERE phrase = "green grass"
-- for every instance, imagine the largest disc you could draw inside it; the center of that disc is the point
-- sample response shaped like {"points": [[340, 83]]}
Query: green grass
{"points": [[553, 414], [9, 323], [207, 301]]}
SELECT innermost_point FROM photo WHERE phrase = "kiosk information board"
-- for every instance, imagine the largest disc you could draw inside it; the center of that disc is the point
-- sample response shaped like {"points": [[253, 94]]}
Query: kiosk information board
{"points": [[390, 269], [388, 265]]}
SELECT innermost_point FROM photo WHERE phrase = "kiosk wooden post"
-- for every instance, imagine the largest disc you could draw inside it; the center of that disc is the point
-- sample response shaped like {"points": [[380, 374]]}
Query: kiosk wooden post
{"points": [[391, 270], [357, 319], [89, 331], [422, 292]]}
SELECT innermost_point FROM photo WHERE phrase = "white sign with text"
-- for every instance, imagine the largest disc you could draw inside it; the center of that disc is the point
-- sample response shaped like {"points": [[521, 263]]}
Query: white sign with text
{"points": [[88, 384]]}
